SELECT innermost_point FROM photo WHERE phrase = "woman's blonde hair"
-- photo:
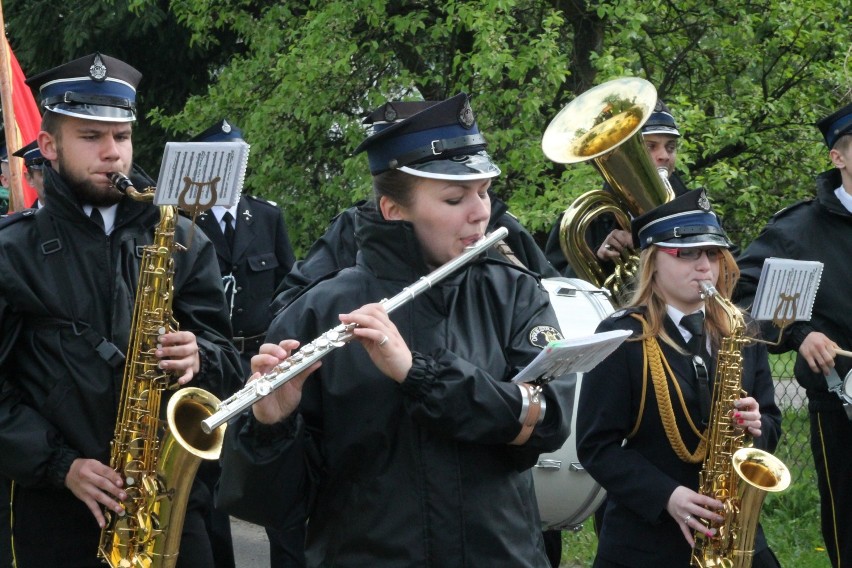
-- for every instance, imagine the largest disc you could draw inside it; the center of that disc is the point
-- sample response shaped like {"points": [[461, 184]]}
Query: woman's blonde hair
{"points": [[647, 293]]}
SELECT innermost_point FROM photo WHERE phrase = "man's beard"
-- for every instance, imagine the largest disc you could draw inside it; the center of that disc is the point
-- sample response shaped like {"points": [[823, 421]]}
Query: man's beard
{"points": [[86, 190]]}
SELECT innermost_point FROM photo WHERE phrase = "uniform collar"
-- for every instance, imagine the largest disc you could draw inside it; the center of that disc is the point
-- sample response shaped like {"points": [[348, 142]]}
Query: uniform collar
{"points": [[676, 315], [844, 198], [108, 214]]}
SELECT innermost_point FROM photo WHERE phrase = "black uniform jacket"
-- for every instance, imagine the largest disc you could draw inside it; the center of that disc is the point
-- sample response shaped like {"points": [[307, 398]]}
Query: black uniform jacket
{"points": [[58, 397], [336, 249], [815, 229], [262, 256], [422, 473], [641, 475]]}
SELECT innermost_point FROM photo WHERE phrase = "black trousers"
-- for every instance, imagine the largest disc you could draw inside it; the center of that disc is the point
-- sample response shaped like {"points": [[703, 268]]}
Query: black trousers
{"points": [[831, 432], [5, 520], [286, 547], [54, 528]]}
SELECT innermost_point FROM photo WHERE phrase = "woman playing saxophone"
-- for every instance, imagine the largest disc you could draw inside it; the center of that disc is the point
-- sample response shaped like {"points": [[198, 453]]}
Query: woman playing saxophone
{"points": [[644, 412]]}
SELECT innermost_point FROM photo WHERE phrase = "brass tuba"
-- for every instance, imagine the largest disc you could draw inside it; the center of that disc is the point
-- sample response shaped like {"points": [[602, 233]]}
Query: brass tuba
{"points": [[157, 461], [603, 125]]}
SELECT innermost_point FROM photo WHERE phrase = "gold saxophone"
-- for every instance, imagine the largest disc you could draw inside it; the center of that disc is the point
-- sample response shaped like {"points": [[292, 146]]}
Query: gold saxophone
{"points": [[156, 460], [734, 473]]}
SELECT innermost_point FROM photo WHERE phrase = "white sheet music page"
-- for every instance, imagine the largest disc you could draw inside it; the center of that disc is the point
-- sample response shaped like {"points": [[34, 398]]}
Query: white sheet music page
{"points": [[195, 176], [572, 355], [786, 290]]}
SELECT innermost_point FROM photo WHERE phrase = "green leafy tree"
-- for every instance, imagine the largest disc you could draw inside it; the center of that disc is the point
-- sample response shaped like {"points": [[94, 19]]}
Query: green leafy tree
{"points": [[47, 33], [746, 80]]}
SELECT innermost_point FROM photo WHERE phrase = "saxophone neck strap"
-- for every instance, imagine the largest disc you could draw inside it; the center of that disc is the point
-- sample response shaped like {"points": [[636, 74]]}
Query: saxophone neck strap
{"points": [[51, 245]]}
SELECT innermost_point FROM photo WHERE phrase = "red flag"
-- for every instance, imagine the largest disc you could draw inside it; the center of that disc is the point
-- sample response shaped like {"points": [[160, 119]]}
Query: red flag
{"points": [[27, 118]]}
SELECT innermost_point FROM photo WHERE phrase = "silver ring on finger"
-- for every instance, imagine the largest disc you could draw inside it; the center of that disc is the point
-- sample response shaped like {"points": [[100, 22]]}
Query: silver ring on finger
{"points": [[383, 341], [607, 246], [687, 518]]}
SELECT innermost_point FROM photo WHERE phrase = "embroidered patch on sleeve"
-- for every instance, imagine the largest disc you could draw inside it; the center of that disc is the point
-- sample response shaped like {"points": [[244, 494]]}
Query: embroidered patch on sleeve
{"points": [[541, 335]]}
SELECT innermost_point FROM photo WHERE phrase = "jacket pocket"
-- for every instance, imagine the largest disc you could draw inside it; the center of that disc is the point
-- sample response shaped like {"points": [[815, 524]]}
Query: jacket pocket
{"points": [[261, 262]]}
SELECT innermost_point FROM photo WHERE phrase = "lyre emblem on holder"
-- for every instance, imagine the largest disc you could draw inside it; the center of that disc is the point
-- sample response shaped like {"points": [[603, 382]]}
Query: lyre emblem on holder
{"points": [[193, 209], [786, 310]]}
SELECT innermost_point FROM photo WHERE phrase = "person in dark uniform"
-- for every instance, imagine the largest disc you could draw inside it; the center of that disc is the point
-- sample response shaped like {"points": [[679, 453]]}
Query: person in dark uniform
{"points": [[820, 229], [336, 248], [5, 179], [648, 454], [254, 254], [405, 447], [660, 134], [65, 321], [34, 164]]}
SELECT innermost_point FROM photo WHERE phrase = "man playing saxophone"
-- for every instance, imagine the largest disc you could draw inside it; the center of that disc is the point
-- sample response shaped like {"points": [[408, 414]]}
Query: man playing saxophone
{"points": [[66, 320], [645, 411]]}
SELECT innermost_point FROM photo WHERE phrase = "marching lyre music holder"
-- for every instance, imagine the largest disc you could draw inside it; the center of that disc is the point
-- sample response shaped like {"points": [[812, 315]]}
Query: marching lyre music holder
{"points": [[786, 293], [195, 176]]}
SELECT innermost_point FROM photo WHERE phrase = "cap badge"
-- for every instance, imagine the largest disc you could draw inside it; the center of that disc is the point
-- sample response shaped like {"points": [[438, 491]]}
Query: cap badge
{"points": [[98, 70], [542, 335], [466, 115], [390, 113], [703, 202], [226, 128]]}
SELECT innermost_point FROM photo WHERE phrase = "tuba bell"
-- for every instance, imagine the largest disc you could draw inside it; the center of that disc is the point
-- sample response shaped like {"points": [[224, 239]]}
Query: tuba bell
{"points": [[604, 125]]}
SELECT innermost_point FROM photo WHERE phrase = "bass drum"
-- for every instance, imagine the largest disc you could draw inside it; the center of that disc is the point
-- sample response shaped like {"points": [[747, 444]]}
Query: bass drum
{"points": [[566, 494]]}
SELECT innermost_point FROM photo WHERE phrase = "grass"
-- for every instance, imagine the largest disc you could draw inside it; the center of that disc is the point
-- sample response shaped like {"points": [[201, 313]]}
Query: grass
{"points": [[790, 519]]}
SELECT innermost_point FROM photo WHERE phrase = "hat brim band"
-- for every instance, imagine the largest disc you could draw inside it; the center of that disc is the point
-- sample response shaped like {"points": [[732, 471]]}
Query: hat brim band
{"points": [[94, 112], [681, 232], [72, 98], [437, 148]]}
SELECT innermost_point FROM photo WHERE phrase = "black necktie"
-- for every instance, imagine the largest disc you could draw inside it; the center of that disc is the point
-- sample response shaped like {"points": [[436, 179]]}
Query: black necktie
{"points": [[229, 229], [96, 216], [697, 345], [694, 324]]}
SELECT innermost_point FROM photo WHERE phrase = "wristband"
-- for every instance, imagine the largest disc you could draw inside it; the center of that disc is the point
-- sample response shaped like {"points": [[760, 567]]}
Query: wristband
{"points": [[531, 417], [525, 403]]}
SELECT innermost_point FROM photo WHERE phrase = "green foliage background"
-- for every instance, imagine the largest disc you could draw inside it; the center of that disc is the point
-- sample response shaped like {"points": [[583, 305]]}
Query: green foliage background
{"points": [[746, 81]]}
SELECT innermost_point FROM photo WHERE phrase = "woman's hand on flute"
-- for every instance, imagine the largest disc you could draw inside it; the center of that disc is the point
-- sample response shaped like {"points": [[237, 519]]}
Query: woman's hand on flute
{"points": [[281, 402], [381, 339]]}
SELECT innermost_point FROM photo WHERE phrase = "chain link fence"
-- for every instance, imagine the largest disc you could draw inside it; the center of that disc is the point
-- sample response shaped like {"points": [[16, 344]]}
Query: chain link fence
{"points": [[794, 447]]}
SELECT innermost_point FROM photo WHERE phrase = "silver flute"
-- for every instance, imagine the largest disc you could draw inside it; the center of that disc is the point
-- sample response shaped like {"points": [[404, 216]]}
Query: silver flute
{"points": [[334, 338]]}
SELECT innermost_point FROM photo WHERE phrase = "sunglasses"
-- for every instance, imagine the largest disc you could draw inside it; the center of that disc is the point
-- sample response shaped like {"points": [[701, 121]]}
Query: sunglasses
{"points": [[713, 254]]}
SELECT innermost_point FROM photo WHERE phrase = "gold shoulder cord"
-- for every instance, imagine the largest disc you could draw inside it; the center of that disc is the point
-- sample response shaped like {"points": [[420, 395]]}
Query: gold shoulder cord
{"points": [[661, 373]]}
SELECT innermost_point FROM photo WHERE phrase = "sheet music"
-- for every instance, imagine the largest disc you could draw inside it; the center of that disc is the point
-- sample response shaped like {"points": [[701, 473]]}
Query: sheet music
{"points": [[572, 355], [195, 176], [786, 290]]}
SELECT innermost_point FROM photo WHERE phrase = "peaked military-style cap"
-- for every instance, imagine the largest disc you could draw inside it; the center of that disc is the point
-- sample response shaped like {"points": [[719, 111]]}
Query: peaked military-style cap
{"points": [[835, 125], [685, 221], [661, 121], [222, 131], [95, 87], [31, 155], [438, 140]]}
